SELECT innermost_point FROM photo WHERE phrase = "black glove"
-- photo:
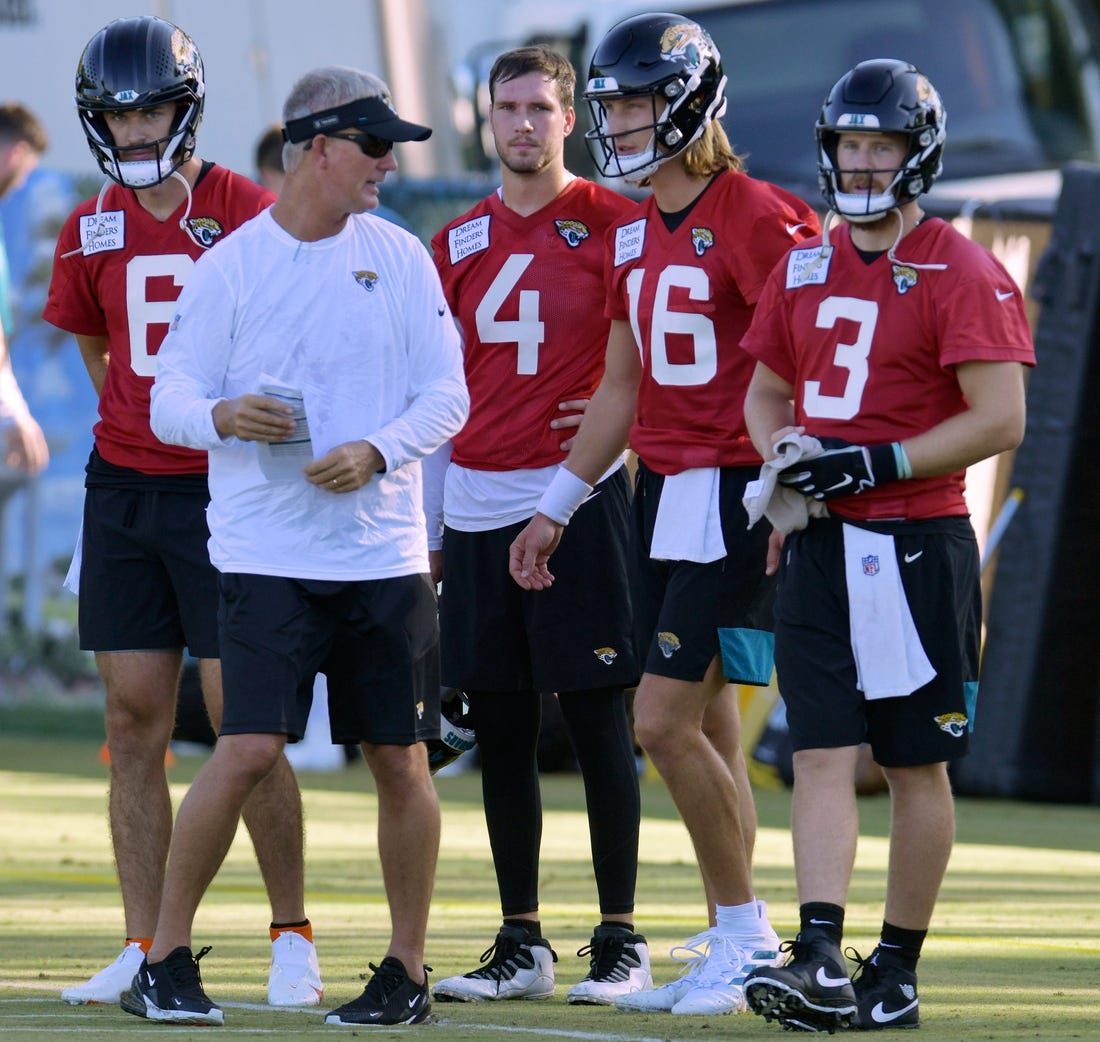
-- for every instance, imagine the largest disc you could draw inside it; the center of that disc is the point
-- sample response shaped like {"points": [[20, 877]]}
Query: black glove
{"points": [[844, 469]]}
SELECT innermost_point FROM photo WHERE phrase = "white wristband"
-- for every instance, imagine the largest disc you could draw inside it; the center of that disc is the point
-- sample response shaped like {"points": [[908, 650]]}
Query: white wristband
{"points": [[565, 493]]}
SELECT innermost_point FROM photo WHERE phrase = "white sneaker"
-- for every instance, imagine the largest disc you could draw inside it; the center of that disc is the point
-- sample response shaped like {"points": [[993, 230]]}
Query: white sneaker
{"points": [[720, 984], [518, 965], [661, 1000], [619, 966], [295, 978], [109, 984]]}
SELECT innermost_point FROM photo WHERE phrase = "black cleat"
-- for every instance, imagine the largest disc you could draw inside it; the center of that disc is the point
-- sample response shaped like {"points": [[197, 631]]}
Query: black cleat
{"points": [[885, 993], [812, 992], [389, 998], [171, 991]]}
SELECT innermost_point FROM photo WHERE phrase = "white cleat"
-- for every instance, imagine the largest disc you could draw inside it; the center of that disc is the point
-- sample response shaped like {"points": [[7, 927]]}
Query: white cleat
{"points": [[107, 986], [518, 965], [619, 966], [295, 978], [719, 986]]}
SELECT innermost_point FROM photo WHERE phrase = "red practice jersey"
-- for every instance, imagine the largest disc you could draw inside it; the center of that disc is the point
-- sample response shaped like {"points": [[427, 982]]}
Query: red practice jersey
{"points": [[125, 287], [689, 296], [870, 349], [528, 293]]}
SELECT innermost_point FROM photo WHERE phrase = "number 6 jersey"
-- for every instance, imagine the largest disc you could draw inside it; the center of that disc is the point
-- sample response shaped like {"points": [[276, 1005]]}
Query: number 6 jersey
{"points": [[121, 278]]}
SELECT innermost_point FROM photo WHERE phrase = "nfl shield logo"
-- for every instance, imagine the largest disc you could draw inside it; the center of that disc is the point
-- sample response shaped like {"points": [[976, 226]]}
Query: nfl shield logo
{"points": [[870, 564]]}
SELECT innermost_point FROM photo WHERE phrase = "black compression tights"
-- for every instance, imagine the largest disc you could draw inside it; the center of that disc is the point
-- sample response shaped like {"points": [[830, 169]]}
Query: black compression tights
{"points": [[507, 726]]}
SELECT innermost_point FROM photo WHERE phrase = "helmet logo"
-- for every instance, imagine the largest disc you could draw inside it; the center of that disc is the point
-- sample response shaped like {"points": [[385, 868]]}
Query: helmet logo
{"points": [[686, 41], [702, 239], [124, 97], [573, 232]]}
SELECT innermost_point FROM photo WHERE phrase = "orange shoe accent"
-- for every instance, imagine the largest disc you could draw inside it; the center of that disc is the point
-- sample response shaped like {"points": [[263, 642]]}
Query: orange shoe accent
{"points": [[145, 942], [306, 930]]}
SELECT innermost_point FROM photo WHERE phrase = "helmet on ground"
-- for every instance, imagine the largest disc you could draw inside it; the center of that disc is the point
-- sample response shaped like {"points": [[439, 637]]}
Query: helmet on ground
{"points": [[883, 95], [670, 59], [455, 738], [140, 63]]}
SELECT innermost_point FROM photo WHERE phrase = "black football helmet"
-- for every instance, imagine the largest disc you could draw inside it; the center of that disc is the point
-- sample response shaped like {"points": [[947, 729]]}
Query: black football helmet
{"points": [[669, 58], [454, 737], [139, 63], [882, 95]]}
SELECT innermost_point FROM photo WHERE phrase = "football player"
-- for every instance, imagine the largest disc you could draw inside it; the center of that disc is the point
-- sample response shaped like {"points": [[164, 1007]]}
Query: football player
{"points": [[683, 274], [147, 588], [901, 345], [523, 273]]}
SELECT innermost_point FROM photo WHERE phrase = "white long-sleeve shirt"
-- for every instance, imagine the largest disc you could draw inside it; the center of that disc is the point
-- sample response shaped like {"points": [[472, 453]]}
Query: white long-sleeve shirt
{"points": [[358, 324]]}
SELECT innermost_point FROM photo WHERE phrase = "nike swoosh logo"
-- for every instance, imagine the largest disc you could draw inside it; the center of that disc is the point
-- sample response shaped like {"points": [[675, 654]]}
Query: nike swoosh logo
{"points": [[881, 1016], [591, 495], [844, 481], [1003, 296], [910, 558], [413, 1001], [152, 981], [826, 981], [442, 312], [792, 228]]}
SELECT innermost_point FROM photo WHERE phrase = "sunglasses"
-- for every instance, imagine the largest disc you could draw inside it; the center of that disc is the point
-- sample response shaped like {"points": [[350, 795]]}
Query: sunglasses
{"points": [[369, 145]]}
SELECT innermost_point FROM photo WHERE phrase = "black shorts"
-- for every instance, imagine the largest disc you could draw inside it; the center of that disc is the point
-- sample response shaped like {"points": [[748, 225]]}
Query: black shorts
{"points": [[146, 581], [377, 641], [574, 636], [686, 613], [938, 561]]}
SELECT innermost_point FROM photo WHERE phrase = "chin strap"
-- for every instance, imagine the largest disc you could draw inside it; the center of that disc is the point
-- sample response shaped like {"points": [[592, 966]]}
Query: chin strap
{"points": [[912, 264], [101, 227]]}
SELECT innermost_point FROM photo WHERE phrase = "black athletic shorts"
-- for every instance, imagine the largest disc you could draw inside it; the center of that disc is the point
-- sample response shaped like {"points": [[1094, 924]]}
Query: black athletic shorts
{"points": [[377, 641], [574, 636], [686, 613], [146, 581], [938, 562]]}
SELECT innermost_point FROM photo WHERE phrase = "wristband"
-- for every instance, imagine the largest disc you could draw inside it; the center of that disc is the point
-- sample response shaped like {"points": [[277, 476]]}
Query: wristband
{"points": [[565, 493], [901, 459]]}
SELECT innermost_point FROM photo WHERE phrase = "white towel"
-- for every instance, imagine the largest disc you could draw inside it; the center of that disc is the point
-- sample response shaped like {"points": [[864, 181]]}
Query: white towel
{"points": [[72, 576], [786, 509], [890, 660], [688, 526]]}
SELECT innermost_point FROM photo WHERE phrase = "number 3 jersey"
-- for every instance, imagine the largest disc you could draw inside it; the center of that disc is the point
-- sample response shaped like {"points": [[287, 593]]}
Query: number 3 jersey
{"points": [[871, 349], [528, 293], [123, 283], [689, 295]]}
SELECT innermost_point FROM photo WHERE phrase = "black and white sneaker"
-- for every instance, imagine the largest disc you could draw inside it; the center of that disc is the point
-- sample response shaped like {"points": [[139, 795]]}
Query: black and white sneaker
{"points": [[171, 991], [812, 992], [517, 965], [389, 998], [618, 965], [886, 994]]}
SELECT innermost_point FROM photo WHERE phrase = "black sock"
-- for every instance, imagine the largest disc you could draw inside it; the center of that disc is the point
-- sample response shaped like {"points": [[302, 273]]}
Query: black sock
{"points": [[898, 947], [821, 919]]}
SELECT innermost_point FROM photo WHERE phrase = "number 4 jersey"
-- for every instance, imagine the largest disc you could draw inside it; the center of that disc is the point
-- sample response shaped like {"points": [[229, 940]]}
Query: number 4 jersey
{"points": [[528, 293], [121, 278]]}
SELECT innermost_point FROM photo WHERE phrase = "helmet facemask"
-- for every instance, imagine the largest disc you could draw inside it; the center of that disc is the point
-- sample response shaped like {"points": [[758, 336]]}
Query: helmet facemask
{"points": [[173, 150]]}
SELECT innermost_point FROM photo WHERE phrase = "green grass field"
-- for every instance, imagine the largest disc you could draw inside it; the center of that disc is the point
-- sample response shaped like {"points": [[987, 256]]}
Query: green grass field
{"points": [[1015, 952]]}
